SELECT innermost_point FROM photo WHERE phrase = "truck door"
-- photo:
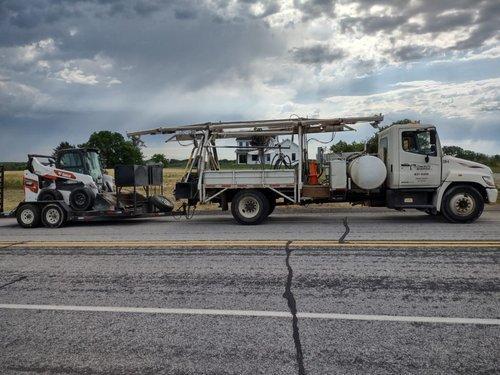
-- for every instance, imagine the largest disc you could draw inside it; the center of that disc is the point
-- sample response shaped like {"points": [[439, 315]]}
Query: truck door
{"points": [[420, 159]]}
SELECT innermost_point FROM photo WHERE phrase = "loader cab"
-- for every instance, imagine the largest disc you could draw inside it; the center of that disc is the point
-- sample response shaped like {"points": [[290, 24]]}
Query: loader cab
{"points": [[81, 160], [412, 155]]}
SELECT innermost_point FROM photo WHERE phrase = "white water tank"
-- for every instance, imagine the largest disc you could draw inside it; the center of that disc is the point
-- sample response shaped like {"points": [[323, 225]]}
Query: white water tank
{"points": [[368, 172]]}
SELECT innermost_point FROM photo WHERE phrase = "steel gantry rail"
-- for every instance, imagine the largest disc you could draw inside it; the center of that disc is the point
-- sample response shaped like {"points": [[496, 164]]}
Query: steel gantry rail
{"points": [[204, 156]]}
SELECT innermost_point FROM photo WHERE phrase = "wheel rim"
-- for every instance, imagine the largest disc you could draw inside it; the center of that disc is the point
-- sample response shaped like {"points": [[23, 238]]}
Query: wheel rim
{"points": [[462, 204], [27, 216], [53, 216], [248, 207], [80, 200]]}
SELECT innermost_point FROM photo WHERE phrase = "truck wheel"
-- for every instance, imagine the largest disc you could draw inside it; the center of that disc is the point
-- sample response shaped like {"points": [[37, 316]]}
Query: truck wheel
{"points": [[81, 199], [28, 216], [50, 195], [462, 204], [53, 216], [161, 203], [250, 207]]}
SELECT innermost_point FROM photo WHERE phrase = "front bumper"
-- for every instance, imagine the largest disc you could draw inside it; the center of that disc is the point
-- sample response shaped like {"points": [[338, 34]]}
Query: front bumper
{"points": [[492, 195]]}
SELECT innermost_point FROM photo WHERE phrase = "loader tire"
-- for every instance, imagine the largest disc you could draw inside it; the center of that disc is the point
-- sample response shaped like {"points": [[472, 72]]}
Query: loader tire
{"points": [[161, 203], [28, 216], [81, 199], [53, 216], [462, 204], [49, 195], [250, 207]]}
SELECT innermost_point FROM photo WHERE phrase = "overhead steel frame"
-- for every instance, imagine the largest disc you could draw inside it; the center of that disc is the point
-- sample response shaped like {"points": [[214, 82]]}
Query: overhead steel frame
{"points": [[204, 135]]}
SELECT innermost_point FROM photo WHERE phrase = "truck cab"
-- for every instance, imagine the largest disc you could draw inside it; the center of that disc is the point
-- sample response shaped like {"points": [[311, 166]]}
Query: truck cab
{"points": [[420, 176], [80, 160]]}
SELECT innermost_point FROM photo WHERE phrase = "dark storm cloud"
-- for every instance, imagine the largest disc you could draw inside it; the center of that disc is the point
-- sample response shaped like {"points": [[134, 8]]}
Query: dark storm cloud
{"points": [[411, 53], [68, 68], [486, 26], [154, 40], [185, 14], [315, 8], [317, 54], [372, 24], [438, 17]]}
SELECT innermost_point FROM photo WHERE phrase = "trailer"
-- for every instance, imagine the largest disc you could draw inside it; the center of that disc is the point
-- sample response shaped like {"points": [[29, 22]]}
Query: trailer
{"points": [[408, 171], [73, 186]]}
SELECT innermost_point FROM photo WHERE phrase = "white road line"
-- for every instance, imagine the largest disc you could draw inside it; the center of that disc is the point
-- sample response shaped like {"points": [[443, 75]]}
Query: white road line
{"points": [[254, 313]]}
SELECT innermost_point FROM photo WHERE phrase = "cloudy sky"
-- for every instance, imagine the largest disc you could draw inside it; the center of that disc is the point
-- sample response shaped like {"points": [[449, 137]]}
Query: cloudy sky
{"points": [[69, 67]]}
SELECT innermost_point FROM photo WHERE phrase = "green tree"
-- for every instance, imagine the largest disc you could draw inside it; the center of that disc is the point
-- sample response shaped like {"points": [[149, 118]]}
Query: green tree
{"points": [[342, 146], [62, 146], [114, 149], [159, 159]]}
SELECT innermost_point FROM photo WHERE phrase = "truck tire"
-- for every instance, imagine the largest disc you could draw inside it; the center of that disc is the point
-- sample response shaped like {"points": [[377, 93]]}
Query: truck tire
{"points": [[161, 203], [462, 204], [250, 207], [81, 199], [53, 216], [50, 195], [28, 216]]}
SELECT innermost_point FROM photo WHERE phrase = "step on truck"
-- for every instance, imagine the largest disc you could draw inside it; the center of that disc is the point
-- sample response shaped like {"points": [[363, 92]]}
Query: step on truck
{"points": [[408, 171], [73, 186]]}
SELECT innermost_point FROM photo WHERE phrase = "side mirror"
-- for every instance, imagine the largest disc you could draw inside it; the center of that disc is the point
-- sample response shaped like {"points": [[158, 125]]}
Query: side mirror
{"points": [[426, 158]]}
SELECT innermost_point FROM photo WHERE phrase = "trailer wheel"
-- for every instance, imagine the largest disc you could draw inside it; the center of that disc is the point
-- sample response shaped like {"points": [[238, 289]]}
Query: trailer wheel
{"points": [[81, 199], [28, 216], [53, 216], [462, 204], [250, 207]]}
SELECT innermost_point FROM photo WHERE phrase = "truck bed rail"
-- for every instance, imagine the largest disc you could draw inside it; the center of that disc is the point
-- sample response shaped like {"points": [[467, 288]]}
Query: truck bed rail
{"points": [[276, 178]]}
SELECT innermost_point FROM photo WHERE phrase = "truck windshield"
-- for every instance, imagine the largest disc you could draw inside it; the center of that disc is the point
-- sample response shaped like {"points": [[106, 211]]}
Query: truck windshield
{"points": [[94, 165]]}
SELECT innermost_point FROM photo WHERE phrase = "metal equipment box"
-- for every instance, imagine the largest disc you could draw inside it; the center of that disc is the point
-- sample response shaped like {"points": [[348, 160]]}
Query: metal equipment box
{"points": [[131, 175], [185, 190], [155, 175], [338, 174]]}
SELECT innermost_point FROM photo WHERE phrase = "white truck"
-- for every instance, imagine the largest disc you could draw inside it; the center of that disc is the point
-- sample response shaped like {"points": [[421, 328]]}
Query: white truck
{"points": [[408, 172]]}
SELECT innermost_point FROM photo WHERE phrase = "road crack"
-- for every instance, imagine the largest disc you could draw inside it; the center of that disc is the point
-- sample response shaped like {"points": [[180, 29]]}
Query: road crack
{"points": [[13, 281], [292, 305], [347, 230]]}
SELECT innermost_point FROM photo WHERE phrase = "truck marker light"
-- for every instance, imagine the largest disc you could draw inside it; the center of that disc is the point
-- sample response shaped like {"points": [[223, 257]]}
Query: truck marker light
{"points": [[489, 181]]}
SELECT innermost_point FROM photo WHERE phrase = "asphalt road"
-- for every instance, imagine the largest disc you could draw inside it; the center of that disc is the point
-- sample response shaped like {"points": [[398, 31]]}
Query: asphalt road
{"points": [[365, 224], [397, 283]]}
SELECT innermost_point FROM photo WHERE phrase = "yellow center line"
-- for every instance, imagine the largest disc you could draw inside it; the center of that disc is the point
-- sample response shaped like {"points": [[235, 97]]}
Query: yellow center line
{"points": [[251, 244]]}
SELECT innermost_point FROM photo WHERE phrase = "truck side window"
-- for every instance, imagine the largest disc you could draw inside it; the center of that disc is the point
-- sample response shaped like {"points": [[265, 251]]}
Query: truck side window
{"points": [[384, 146], [420, 142]]}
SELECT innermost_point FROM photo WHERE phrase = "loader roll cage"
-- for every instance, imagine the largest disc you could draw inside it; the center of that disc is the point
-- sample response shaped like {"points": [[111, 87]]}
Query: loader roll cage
{"points": [[203, 181]]}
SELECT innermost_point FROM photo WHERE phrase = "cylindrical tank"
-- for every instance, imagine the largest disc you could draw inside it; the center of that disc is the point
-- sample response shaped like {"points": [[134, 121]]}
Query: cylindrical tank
{"points": [[368, 172]]}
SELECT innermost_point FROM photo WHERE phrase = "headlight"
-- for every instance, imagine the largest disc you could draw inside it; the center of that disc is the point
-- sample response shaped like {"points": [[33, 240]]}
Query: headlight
{"points": [[489, 181]]}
